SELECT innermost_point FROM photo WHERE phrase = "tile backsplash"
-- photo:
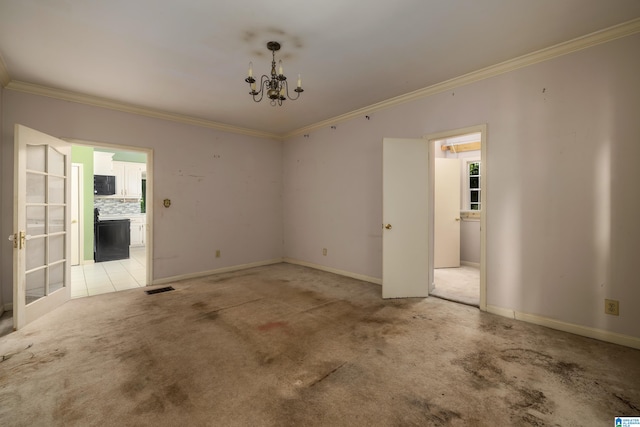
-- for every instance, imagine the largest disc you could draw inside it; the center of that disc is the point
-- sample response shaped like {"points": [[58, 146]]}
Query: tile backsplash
{"points": [[109, 206]]}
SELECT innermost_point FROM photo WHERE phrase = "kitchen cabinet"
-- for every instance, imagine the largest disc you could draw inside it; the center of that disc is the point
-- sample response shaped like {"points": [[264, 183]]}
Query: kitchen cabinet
{"points": [[128, 179], [138, 230], [102, 163]]}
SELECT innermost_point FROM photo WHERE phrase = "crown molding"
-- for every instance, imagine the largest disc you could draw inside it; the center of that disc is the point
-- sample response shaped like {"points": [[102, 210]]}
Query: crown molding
{"points": [[580, 43], [134, 109], [4, 74]]}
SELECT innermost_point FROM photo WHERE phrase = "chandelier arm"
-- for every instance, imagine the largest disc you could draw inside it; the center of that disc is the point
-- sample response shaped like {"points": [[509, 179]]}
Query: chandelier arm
{"points": [[297, 90], [264, 81], [254, 96]]}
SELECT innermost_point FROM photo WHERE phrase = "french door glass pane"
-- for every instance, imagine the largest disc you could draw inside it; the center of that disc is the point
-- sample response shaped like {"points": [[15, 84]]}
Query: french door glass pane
{"points": [[34, 283], [36, 252], [56, 277], [35, 220], [56, 219], [56, 189], [56, 162], [36, 158], [36, 188], [56, 248]]}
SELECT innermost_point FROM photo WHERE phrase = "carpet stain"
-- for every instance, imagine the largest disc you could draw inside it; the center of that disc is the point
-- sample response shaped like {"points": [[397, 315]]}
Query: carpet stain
{"points": [[142, 368], [271, 326], [481, 366], [565, 370], [222, 279], [134, 386], [326, 375], [66, 411], [433, 414], [495, 327], [530, 420], [34, 360], [199, 305], [486, 372], [530, 398], [634, 408], [8, 402], [211, 315], [154, 403], [176, 395]]}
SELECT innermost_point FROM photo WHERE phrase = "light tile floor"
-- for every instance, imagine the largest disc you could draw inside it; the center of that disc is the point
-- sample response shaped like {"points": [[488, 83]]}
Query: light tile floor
{"points": [[109, 276]]}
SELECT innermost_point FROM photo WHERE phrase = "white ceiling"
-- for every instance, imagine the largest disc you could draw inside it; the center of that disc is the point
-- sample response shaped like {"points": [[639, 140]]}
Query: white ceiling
{"points": [[190, 57]]}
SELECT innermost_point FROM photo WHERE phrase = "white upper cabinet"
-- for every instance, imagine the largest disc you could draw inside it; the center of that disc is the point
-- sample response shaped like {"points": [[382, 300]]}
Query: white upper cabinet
{"points": [[128, 179], [102, 163]]}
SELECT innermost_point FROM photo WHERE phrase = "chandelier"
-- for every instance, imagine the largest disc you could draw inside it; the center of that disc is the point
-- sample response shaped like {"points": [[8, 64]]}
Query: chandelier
{"points": [[275, 86]]}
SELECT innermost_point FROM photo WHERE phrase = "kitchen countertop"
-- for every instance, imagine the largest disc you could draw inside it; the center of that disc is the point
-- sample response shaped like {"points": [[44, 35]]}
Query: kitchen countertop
{"points": [[112, 217]]}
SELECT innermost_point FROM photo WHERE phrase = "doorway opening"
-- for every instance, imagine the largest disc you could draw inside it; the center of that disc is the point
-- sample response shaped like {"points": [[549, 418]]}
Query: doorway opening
{"points": [[112, 242], [458, 172]]}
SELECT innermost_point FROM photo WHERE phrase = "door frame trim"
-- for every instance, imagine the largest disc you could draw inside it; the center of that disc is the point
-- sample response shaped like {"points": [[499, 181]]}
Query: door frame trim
{"points": [[431, 138], [80, 196]]}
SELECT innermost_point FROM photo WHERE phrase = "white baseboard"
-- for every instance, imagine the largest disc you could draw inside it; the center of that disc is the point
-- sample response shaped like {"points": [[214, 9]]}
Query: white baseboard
{"points": [[585, 331], [216, 271], [470, 264], [362, 277], [8, 306], [504, 312]]}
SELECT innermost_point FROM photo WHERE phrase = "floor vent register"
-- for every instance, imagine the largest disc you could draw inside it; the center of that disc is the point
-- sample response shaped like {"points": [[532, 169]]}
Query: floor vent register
{"points": [[158, 290]]}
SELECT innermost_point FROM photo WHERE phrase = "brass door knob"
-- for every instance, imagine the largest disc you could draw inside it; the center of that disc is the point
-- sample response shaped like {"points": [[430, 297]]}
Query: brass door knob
{"points": [[388, 226]]}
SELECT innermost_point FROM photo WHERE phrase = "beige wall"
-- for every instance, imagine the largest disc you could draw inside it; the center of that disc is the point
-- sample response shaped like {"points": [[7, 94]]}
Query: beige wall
{"points": [[225, 189], [562, 154]]}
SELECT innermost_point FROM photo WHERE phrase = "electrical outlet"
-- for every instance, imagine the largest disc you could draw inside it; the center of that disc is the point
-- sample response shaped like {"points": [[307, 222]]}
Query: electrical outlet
{"points": [[324, 251], [217, 253], [612, 306]]}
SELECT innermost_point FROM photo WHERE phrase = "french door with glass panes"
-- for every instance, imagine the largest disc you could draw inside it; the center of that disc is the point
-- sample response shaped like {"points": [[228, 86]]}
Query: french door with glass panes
{"points": [[41, 239]]}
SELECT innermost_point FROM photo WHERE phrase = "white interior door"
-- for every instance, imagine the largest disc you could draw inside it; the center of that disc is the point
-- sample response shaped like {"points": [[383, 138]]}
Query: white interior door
{"points": [[405, 243], [42, 219], [446, 233]]}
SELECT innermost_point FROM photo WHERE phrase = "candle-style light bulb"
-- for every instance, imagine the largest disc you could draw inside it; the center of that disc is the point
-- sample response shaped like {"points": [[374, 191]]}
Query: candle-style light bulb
{"points": [[250, 69], [299, 81], [280, 71], [253, 87]]}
